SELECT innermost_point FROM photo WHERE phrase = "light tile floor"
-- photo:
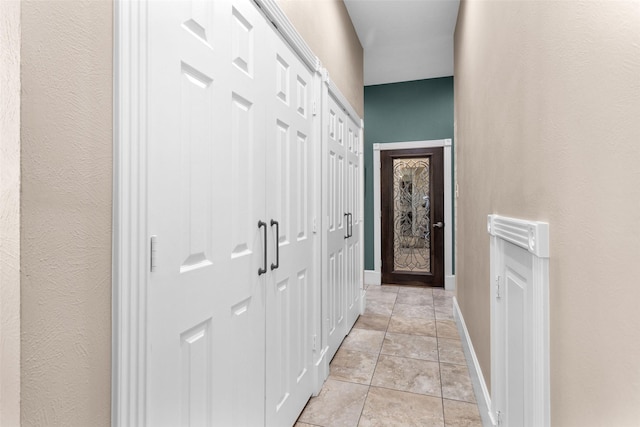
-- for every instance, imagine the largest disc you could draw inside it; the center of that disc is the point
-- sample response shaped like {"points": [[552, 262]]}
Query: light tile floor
{"points": [[402, 364]]}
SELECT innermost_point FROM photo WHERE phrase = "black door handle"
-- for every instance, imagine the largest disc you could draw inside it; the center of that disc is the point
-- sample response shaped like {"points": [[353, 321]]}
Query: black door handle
{"points": [[263, 270], [346, 225], [277, 264]]}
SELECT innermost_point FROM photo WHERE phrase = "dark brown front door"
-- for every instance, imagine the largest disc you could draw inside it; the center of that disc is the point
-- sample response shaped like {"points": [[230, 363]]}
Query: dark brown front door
{"points": [[412, 187]]}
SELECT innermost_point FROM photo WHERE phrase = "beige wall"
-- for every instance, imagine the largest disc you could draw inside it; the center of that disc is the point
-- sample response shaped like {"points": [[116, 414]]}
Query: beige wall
{"points": [[547, 108], [327, 28], [66, 212], [9, 213]]}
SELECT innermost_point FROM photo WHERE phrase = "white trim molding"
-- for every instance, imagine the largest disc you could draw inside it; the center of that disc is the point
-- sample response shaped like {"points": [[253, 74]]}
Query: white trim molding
{"points": [[372, 277], [450, 282], [342, 100], [480, 385], [130, 252], [283, 25], [519, 257]]}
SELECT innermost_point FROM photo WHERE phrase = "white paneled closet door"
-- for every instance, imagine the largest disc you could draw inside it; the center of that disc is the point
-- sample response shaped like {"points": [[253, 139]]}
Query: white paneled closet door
{"points": [[343, 203], [336, 228], [353, 270], [290, 208], [230, 136]]}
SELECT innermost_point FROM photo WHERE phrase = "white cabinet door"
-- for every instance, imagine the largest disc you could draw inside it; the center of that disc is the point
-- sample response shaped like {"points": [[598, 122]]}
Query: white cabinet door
{"points": [[336, 227], [291, 279], [206, 302]]}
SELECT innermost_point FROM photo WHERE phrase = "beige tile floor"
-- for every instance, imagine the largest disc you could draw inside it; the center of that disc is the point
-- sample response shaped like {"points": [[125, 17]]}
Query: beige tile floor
{"points": [[401, 365]]}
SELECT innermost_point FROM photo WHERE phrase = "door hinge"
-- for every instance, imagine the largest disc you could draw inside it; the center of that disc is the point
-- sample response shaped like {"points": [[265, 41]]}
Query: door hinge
{"points": [[315, 226], [313, 108], [498, 296], [154, 253], [315, 342], [499, 417]]}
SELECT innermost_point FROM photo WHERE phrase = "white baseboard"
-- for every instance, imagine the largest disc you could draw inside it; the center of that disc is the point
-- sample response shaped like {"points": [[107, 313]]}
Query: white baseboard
{"points": [[372, 277], [450, 283], [483, 397]]}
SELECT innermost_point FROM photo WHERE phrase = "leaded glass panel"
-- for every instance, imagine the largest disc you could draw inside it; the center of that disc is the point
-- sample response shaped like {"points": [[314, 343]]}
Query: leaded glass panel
{"points": [[411, 215]]}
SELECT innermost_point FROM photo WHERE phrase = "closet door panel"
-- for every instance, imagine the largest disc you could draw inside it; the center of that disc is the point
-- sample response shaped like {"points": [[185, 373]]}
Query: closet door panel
{"points": [[336, 230], [343, 198], [206, 196], [289, 296], [354, 264]]}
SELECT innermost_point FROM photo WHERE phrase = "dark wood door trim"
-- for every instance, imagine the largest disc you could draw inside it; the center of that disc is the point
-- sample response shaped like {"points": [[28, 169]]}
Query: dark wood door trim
{"points": [[436, 277]]}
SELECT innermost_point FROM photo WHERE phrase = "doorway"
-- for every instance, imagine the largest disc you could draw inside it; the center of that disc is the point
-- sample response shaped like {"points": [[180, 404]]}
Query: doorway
{"points": [[374, 277], [412, 216]]}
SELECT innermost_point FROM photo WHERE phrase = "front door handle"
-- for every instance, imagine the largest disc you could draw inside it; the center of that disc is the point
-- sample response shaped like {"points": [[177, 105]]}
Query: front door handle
{"points": [[263, 270], [438, 224], [277, 264]]}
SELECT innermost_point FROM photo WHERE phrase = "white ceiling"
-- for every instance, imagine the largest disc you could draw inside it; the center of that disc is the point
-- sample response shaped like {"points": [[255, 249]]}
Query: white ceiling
{"points": [[405, 40]]}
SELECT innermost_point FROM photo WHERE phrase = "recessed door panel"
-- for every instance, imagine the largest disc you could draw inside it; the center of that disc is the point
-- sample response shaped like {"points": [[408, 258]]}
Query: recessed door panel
{"points": [[281, 195], [282, 79], [196, 156], [515, 337], [301, 89], [301, 325], [302, 181], [242, 146], [196, 347], [200, 21], [242, 39]]}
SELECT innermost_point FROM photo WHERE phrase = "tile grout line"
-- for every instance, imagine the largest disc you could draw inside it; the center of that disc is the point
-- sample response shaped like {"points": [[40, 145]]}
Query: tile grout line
{"points": [[377, 359], [444, 420]]}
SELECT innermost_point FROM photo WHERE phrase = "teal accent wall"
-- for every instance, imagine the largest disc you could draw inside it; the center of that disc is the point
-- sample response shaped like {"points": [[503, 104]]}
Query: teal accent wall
{"points": [[408, 111]]}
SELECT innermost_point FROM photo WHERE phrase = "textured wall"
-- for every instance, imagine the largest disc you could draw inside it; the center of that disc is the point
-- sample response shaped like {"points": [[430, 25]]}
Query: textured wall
{"points": [[66, 212], [410, 111], [547, 107], [327, 28], [9, 213]]}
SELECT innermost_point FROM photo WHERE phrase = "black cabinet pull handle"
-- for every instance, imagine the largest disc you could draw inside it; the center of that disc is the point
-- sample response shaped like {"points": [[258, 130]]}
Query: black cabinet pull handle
{"points": [[277, 264], [346, 225], [263, 270]]}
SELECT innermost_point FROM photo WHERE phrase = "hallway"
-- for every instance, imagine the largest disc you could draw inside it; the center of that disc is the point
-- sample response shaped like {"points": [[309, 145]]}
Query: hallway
{"points": [[402, 364]]}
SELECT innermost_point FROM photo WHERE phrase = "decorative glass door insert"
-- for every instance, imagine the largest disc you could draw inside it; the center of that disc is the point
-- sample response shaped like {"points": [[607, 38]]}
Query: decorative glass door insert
{"points": [[411, 215]]}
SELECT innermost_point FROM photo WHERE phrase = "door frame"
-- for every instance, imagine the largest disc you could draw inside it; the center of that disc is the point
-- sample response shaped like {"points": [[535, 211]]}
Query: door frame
{"points": [[130, 237], [449, 278]]}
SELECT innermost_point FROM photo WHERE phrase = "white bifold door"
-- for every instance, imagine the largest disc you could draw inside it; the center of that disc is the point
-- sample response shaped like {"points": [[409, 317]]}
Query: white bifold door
{"points": [[342, 261], [230, 209]]}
